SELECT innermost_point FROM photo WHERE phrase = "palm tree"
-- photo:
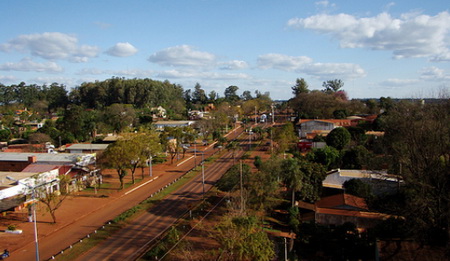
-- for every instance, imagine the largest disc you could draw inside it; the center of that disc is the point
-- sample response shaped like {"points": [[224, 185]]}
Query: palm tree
{"points": [[293, 176]]}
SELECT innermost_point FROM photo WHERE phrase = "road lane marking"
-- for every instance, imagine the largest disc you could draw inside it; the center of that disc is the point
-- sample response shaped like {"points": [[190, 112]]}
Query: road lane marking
{"points": [[128, 192], [184, 161]]}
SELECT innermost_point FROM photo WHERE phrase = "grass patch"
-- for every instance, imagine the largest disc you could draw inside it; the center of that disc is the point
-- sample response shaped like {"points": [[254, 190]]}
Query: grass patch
{"points": [[80, 248]]}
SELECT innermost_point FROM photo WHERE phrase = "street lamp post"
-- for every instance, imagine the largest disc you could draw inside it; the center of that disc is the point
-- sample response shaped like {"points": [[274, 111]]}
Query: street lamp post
{"points": [[33, 197], [150, 166]]}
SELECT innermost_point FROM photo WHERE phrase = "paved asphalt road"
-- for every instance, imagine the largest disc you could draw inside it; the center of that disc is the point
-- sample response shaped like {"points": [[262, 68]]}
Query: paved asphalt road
{"points": [[128, 243], [52, 244]]}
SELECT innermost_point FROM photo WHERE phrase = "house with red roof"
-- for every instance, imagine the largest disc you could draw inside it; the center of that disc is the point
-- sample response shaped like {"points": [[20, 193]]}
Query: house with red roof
{"points": [[309, 128], [341, 208]]}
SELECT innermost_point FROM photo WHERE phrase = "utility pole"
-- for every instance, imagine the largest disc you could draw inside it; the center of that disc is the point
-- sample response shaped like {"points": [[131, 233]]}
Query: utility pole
{"points": [[33, 198], [203, 175], [150, 166], [273, 115], [242, 187]]}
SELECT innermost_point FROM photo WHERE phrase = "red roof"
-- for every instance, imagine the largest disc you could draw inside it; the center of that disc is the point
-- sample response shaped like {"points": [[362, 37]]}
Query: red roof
{"points": [[342, 201]]}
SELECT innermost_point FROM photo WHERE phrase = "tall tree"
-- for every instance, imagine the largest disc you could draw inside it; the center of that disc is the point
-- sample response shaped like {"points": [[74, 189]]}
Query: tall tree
{"points": [[199, 95], [301, 86], [120, 116], [332, 86], [56, 96], [143, 146], [418, 138], [247, 95], [231, 94], [118, 156], [213, 96]]}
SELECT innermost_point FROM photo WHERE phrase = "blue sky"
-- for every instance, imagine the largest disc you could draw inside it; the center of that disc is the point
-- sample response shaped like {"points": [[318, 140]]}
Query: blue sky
{"points": [[399, 49]]}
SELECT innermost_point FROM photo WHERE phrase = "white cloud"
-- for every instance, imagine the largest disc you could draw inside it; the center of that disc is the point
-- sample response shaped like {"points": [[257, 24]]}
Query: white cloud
{"points": [[183, 55], [399, 82], [28, 65], [51, 46], [233, 65], [303, 64], [334, 70], [7, 79], [49, 80], [102, 25], [282, 62], [122, 50], [171, 74], [411, 35], [129, 72], [434, 74], [324, 4], [388, 6]]}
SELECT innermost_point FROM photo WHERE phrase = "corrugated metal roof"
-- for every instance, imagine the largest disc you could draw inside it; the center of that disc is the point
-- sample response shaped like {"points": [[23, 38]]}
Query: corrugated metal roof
{"points": [[41, 157], [16, 175], [87, 146]]}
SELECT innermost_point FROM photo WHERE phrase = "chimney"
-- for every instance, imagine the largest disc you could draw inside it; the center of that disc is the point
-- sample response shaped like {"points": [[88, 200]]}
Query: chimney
{"points": [[32, 159]]}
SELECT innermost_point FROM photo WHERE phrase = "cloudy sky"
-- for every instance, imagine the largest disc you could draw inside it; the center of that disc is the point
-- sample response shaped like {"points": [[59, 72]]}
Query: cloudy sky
{"points": [[378, 48]]}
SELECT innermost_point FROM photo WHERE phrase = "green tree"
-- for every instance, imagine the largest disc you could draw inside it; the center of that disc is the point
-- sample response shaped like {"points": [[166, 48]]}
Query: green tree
{"points": [[386, 103], [56, 96], [329, 157], [338, 138], [316, 104], [5, 135], [292, 177], [118, 156], [241, 238], [301, 86], [142, 146], [231, 94], [340, 114], [285, 137], [177, 135], [358, 188], [358, 135], [120, 116], [418, 138], [213, 96], [265, 185], [199, 95], [247, 95], [355, 158], [332, 86], [230, 180]]}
